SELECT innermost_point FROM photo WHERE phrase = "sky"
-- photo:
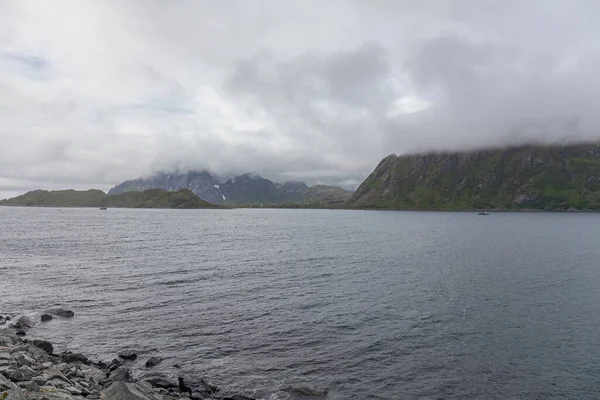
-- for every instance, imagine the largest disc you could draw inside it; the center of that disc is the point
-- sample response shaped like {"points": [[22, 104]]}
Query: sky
{"points": [[96, 92]]}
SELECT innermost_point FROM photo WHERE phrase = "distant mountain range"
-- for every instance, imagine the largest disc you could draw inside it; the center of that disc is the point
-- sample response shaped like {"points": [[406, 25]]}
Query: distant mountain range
{"points": [[152, 198], [242, 189], [524, 177]]}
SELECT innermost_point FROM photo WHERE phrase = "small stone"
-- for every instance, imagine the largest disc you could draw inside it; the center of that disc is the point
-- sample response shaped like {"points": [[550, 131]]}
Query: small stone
{"points": [[130, 391], [39, 380], [61, 312], [152, 361], [24, 359], [91, 372], [21, 333], [46, 317], [127, 355], [73, 390], [24, 323], [44, 345], [47, 365]]}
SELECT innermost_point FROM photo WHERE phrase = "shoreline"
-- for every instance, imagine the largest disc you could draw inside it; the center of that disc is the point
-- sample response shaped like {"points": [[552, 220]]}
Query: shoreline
{"points": [[30, 369]]}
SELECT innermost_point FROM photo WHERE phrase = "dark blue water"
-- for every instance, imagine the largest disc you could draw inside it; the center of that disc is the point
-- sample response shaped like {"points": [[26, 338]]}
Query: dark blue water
{"points": [[364, 304]]}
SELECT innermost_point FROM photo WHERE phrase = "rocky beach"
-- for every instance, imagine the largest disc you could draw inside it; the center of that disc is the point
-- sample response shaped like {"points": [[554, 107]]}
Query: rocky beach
{"points": [[30, 369]]}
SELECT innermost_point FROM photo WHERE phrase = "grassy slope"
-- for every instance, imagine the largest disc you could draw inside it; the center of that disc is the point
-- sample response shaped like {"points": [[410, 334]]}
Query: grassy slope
{"points": [[154, 198], [527, 177]]}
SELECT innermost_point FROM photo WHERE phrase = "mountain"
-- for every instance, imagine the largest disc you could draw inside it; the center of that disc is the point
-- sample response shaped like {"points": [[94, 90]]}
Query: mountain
{"points": [[57, 198], [241, 189], [250, 188], [525, 177], [204, 184], [152, 198], [157, 198], [326, 195]]}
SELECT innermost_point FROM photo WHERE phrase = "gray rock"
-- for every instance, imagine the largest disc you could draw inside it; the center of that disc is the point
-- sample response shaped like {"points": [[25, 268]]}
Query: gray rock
{"points": [[238, 397], [70, 357], [61, 312], [24, 359], [127, 355], [53, 374], [29, 386], [130, 391], [40, 380], [8, 337], [18, 375], [44, 345], [20, 333], [73, 390], [15, 394], [160, 381], [114, 364], [5, 384], [39, 354], [23, 323], [152, 361], [46, 317], [91, 372], [120, 374]]}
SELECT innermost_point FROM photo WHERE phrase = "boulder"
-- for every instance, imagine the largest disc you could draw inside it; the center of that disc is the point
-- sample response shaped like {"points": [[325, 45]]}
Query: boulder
{"points": [[91, 372], [70, 357], [152, 361], [5, 384], [14, 394], [61, 312], [46, 317], [128, 355], [160, 382], [29, 386], [8, 337], [20, 333], [114, 364], [120, 374], [23, 323], [130, 391], [44, 345], [18, 375]]}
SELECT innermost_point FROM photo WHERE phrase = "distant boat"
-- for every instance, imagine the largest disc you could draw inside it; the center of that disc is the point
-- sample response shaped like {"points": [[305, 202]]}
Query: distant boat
{"points": [[103, 208], [483, 213]]}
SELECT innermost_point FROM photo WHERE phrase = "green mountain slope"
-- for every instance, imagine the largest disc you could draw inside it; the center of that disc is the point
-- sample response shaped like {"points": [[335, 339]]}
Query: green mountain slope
{"points": [[525, 177], [153, 198], [57, 198], [327, 195], [158, 198]]}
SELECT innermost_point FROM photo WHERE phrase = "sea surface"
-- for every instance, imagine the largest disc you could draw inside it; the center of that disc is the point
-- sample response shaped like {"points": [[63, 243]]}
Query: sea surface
{"points": [[288, 304]]}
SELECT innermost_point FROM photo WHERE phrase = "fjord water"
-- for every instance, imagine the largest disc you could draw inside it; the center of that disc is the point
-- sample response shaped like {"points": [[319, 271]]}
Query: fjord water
{"points": [[364, 304]]}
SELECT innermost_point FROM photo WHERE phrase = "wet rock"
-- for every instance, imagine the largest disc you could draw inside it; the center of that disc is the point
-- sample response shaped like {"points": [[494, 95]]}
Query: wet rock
{"points": [[21, 333], [44, 345], [160, 382], [152, 362], [208, 387], [114, 364], [24, 323], [128, 355], [61, 312], [46, 317], [130, 391], [70, 357], [183, 388], [120, 374], [238, 397]]}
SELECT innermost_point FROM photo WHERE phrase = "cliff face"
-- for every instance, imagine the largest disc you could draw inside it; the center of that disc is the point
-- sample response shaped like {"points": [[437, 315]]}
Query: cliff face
{"points": [[527, 177]]}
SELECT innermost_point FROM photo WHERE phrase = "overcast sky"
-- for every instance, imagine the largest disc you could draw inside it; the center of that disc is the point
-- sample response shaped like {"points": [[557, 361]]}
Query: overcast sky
{"points": [[96, 92]]}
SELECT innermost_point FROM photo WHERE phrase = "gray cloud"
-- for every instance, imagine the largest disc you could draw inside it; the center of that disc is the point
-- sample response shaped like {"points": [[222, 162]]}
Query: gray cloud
{"points": [[92, 93]]}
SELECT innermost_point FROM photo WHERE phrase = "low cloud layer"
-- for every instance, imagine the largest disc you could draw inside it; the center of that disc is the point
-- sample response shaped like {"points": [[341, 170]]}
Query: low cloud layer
{"points": [[93, 93]]}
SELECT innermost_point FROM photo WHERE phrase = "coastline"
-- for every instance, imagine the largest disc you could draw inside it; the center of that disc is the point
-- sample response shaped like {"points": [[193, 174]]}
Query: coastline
{"points": [[30, 369]]}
